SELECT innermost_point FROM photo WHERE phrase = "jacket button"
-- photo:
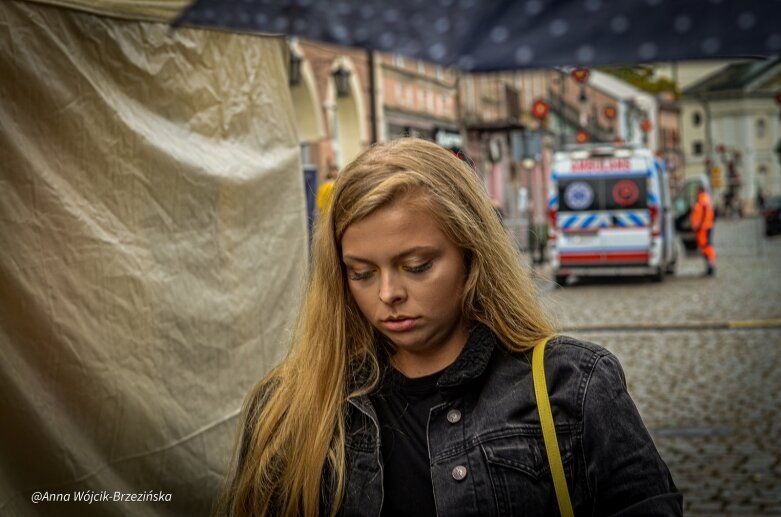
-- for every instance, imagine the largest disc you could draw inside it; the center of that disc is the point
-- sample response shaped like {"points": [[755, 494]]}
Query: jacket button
{"points": [[459, 473], [454, 416]]}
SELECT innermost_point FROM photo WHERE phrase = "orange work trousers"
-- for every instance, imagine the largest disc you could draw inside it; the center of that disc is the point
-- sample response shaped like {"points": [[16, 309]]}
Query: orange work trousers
{"points": [[706, 246]]}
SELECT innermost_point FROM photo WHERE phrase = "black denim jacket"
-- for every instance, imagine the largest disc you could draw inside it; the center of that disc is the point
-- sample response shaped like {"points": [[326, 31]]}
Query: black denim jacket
{"points": [[486, 448]]}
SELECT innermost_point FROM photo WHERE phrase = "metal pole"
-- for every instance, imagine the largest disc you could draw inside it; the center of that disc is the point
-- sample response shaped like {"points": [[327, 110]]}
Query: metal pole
{"points": [[372, 96]]}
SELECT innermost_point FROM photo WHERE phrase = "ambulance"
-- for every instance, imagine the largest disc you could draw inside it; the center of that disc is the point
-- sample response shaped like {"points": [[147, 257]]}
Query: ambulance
{"points": [[610, 214]]}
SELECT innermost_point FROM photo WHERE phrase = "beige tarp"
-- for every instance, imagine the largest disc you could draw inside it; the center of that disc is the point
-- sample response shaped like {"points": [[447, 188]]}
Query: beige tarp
{"points": [[152, 239], [155, 10]]}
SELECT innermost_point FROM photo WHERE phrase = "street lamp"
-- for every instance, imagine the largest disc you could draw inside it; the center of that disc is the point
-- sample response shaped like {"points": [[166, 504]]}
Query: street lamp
{"points": [[342, 79], [294, 68]]}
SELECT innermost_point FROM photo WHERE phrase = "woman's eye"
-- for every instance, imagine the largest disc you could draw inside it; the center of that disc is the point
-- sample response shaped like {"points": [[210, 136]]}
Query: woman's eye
{"points": [[418, 269], [363, 275]]}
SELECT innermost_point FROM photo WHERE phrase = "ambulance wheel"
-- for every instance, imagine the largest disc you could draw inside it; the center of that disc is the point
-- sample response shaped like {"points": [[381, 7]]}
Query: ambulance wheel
{"points": [[561, 280], [658, 276]]}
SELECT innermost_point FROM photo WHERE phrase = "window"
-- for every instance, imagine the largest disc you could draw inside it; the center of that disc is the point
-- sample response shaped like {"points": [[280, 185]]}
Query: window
{"points": [[696, 119], [697, 148], [761, 126], [398, 60]]}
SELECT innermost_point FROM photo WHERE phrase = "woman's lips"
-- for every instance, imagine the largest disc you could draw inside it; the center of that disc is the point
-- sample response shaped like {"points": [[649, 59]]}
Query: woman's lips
{"points": [[400, 325]]}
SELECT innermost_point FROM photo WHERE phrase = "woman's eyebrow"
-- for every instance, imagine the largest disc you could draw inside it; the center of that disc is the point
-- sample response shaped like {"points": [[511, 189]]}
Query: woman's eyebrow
{"points": [[403, 254], [351, 258]]}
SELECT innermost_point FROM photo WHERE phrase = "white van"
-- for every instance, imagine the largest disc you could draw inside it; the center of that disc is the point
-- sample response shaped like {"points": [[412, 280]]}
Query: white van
{"points": [[610, 214]]}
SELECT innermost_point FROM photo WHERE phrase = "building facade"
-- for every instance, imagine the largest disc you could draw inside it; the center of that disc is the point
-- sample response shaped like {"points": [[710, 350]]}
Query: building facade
{"points": [[345, 99], [731, 129], [418, 99]]}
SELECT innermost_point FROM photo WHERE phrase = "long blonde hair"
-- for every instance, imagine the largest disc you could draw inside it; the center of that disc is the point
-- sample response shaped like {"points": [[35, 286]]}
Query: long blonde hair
{"points": [[292, 458]]}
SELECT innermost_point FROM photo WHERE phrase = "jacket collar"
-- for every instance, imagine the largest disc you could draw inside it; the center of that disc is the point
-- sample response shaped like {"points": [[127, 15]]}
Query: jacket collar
{"points": [[472, 361], [469, 365]]}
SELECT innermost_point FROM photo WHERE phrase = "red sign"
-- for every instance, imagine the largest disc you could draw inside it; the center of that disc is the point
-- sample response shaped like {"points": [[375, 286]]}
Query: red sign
{"points": [[581, 136], [610, 112], [580, 74], [645, 125], [602, 165], [625, 193], [540, 109]]}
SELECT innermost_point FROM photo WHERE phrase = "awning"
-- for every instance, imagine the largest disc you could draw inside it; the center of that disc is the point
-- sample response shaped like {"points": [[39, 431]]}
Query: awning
{"points": [[508, 34]]}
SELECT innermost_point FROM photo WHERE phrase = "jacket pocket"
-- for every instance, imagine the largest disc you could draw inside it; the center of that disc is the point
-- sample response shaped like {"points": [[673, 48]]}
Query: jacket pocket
{"points": [[520, 473]]}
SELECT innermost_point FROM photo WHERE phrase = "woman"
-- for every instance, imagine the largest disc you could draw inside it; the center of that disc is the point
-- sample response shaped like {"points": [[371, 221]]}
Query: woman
{"points": [[407, 390]]}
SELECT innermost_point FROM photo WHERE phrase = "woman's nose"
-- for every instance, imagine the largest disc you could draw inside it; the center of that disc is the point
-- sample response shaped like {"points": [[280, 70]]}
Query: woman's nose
{"points": [[391, 289]]}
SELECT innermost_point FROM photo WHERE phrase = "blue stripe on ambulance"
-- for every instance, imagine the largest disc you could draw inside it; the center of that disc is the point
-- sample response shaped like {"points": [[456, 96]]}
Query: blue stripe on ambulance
{"points": [[590, 219], [569, 221], [652, 198], [631, 219], [554, 200], [636, 219], [584, 221]]}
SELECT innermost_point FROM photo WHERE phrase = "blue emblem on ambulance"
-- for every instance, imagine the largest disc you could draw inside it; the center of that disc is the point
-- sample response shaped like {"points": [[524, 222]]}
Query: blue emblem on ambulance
{"points": [[579, 195]]}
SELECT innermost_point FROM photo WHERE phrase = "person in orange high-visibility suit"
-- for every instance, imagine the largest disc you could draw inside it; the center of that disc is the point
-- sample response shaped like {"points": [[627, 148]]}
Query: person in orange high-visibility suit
{"points": [[702, 217]]}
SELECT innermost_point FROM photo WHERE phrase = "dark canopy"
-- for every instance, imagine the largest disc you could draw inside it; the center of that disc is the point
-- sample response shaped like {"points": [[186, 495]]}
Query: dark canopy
{"points": [[485, 35]]}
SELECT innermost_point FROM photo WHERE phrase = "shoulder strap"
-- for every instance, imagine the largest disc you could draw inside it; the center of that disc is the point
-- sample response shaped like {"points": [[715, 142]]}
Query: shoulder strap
{"points": [[549, 430]]}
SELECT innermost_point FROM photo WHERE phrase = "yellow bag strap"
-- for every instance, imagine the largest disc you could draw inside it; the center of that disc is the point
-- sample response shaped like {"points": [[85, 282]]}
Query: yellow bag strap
{"points": [[549, 430]]}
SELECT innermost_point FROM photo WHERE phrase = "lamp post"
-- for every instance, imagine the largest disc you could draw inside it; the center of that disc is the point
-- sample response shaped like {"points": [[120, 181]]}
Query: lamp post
{"points": [[538, 236], [610, 114], [342, 81], [294, 69], [778, 146], [341, 77], [645, 127], [581, 75]]}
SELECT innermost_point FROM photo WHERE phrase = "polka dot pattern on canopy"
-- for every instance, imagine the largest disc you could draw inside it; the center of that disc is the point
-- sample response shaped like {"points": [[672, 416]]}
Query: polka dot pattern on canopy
{"points": [[507, 34]]}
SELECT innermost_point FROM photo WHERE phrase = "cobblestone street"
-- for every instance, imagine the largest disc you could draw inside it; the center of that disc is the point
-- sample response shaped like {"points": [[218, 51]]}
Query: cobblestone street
{"points": [[710, 395]]}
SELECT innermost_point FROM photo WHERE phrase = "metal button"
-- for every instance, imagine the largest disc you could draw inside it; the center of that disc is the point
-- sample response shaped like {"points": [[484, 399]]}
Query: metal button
{"points": [[459, 473], [454, 416]]}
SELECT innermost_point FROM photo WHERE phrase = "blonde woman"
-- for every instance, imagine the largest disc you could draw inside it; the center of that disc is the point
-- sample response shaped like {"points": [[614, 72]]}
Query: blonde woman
{"points": [[408, 390]]}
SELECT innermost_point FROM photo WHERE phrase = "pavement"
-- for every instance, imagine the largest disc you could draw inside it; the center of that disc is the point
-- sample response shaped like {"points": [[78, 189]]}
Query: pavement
{"points": [[702, 358]]}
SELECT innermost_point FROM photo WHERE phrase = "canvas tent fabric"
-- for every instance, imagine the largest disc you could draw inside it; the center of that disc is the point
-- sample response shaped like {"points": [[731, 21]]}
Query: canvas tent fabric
{"points": [[509, 34], [152, 239], [151, 10]]}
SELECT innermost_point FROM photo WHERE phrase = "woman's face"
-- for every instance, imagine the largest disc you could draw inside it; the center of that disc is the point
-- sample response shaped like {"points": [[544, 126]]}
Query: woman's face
{"points": [[407, 277]]}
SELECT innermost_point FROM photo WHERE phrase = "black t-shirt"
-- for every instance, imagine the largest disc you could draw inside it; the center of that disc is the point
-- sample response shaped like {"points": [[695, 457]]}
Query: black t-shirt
{"points": [[403, 406]]}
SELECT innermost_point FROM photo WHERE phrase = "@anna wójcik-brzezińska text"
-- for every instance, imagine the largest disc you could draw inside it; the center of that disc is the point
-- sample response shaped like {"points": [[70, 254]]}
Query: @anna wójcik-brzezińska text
{"points": [[101, 496]]}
